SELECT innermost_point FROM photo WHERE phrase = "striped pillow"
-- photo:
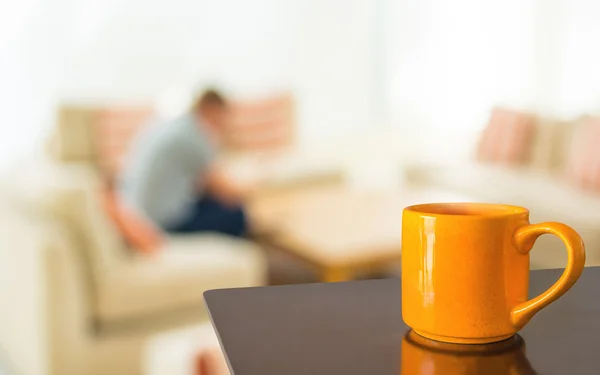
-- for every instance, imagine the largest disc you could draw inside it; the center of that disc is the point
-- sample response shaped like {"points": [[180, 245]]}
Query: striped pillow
{"points": [[259, 125], [115, 129], [508, 137], [583, 159]]}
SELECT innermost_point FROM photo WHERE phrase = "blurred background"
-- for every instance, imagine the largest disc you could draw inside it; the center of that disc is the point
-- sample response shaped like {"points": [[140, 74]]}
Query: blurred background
{"points": [[356, 67], [383, 103]]}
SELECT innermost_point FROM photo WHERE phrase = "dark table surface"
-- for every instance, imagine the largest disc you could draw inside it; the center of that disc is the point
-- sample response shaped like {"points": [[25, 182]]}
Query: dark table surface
{"points": [[356, 328]]}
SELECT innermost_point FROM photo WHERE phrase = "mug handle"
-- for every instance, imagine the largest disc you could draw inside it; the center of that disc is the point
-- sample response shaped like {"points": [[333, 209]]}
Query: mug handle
{"points": [[525, 237]]}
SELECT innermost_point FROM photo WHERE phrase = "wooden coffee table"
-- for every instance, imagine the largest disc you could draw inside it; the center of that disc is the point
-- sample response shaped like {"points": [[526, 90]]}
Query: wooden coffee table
{"points": [[338, 230]]}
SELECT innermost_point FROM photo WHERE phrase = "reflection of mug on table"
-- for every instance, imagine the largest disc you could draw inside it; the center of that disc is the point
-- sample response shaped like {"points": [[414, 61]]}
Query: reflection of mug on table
{"points": [[421, 356]]}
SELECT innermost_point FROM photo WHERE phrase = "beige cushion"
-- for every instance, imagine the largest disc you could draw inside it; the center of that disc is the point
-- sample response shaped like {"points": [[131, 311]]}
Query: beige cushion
{"points": [[541, 147], [100, 135], [73, 139], [561, 143], [178, 275]]}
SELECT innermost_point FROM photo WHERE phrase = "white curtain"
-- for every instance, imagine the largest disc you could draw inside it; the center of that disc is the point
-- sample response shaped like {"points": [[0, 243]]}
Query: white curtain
{"points": [[447, 62], [576, 84], [30, 66]]}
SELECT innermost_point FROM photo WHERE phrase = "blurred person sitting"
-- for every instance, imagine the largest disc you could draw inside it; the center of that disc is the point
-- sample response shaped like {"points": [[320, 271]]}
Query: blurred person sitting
{"points": [[171, 177]]}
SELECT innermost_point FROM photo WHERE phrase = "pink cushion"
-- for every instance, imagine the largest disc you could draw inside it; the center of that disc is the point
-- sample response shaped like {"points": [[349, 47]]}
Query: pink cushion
{"points": [[115, 130], [583, 160], [508, 137], [262, 124]]}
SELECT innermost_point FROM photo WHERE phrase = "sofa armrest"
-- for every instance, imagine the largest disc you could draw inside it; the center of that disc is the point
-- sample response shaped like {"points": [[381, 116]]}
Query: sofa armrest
{"points": [[47, 311]]}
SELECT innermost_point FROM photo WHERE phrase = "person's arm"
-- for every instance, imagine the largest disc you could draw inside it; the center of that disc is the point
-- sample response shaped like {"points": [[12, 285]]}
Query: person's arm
{"points": [[225, 189]]}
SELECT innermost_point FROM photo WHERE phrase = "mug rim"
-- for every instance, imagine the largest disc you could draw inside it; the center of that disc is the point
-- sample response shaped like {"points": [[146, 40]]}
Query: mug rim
{"points": [[466, 209]]}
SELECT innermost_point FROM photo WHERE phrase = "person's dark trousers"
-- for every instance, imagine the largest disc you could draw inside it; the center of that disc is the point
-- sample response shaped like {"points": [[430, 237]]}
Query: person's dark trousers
{"points": [[210, 215]]}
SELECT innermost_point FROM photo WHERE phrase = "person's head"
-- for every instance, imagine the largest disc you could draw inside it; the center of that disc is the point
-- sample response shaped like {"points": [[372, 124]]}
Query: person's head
{"points": [[211, 108]]}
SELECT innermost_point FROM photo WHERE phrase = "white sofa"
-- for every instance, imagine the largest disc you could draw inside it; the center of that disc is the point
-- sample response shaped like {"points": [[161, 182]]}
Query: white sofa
{"points": [[540, 186], [75, 300]]}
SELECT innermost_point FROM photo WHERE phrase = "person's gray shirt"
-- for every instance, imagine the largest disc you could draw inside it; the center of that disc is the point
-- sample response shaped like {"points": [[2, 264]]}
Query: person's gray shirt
{"points": [[163, 174]]}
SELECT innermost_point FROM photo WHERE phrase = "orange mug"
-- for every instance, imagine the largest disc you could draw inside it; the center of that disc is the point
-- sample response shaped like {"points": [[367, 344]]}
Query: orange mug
{"points": [[465, 270], [424, 356]]}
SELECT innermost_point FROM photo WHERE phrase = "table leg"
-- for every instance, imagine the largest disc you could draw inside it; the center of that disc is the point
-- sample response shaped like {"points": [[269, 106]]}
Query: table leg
{"points": [[331, 275]]}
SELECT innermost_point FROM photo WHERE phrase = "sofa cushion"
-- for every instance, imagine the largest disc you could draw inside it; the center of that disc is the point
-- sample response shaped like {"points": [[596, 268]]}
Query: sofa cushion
{"points": [[177, 276], [114, 129], [559, 141], [546, 152], [73, 138], [583, 161], [507, 138], [99, 135], [102, 134], [261, 124]]}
